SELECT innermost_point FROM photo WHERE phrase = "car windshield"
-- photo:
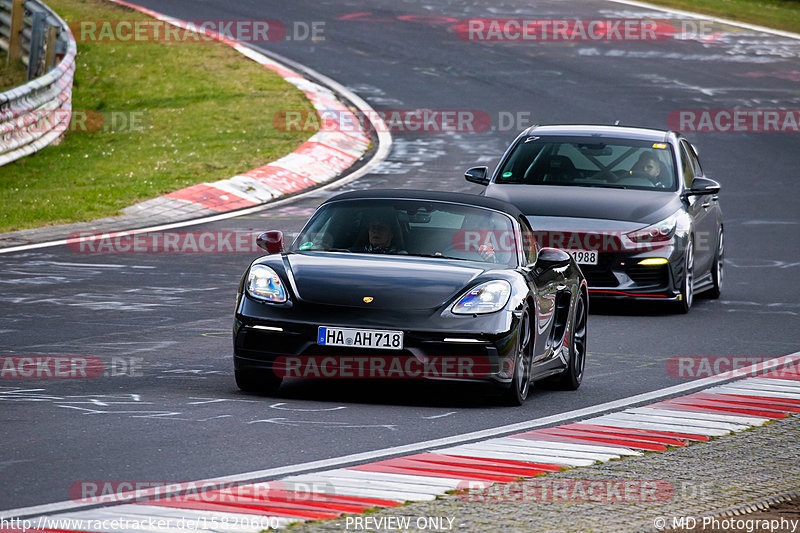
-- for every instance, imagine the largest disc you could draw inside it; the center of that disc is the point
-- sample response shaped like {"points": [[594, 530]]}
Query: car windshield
{"points": [[411, 228], [590, 162]]}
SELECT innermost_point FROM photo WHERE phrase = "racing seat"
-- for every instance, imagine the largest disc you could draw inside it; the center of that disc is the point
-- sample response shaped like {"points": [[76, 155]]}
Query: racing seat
{"points": [[559, 168]]}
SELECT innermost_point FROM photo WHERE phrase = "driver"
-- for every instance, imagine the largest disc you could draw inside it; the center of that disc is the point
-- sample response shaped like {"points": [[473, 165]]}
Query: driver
{"points": [[383, 236]]}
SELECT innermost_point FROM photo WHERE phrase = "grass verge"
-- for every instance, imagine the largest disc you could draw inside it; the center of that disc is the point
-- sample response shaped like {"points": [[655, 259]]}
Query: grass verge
{"points": [[12, 74], [175, 114], [778, 14]]}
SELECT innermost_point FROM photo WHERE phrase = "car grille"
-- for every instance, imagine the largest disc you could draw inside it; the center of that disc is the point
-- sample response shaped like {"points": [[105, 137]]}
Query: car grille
{"points": [[600, 278], [600, 275], [649, 275]]}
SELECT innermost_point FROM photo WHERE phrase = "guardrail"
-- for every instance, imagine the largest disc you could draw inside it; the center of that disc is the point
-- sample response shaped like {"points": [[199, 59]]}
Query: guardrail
{"points": [[36, 114]]}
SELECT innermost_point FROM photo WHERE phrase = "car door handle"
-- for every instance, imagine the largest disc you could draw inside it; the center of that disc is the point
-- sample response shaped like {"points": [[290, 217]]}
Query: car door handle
{"points": [[561, 287], [705, 205]]}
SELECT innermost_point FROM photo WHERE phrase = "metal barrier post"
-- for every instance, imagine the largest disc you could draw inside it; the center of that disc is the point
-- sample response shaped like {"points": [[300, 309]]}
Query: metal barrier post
{"points": [[37, 37]]}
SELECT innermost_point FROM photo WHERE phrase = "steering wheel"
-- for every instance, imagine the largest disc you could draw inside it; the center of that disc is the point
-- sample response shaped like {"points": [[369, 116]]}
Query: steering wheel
{"points": [[455, 252]]}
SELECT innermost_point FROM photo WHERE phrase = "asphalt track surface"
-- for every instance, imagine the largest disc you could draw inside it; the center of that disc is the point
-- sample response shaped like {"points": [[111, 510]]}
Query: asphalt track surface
{"points": [[180, 416]]}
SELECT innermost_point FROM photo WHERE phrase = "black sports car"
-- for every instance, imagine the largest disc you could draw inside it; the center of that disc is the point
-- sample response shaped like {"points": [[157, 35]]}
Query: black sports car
{"points": [[412, 284], [632, 205]]}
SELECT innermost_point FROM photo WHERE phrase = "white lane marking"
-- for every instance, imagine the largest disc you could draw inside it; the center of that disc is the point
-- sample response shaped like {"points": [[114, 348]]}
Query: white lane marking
{"points": [[378, 485], [438, 416], [422, 480], [363, 492], [616, 422], [340, 425], [744, 25], [392, 494], [485, 453], [600, 448], [280, 407], [422, 484], [742, 391], [683, 422], [202, 401], [746, 420], [758, 388], [783, 385], [554, 454], [455, 439]]}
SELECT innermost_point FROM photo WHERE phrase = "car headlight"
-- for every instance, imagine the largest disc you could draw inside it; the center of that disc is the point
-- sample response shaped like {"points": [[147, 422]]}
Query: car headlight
{"points": [[658, 232], [487, 297], [263, 283]]}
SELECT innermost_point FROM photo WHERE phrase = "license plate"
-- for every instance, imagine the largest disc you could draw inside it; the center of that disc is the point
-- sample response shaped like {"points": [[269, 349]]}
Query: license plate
{"points": [[584, 257], [360, 338]]}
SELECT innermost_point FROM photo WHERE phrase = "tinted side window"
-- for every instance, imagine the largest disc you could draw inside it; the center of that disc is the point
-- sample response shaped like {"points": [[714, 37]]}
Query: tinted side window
{"points": [[687, 165], [691, 160], [529, 248], [698, 171]]}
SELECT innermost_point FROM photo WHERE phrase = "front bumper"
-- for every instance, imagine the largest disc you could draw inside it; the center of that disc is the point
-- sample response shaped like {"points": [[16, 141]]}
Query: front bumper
{"points": [[621, 276], [290, 349]]}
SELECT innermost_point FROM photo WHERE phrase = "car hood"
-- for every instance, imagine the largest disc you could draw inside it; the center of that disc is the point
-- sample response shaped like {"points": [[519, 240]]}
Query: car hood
{"points": [[404, 282], [582, 224], [643, 207]]}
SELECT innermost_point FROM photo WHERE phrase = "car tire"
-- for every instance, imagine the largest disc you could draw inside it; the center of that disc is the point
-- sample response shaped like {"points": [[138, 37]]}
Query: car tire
{"points": [[717, 268], [516, 394], [687, 281], [572, 376], [257, 381]]}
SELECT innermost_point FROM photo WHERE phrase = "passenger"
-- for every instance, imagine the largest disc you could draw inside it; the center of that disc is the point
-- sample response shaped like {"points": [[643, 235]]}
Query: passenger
{"points": [[649, 164]]}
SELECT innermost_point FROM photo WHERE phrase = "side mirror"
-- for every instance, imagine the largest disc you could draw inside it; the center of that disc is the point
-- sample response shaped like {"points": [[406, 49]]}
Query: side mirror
{"points": [[551, 258], [479, 175], [702, 186], [271, 242]]}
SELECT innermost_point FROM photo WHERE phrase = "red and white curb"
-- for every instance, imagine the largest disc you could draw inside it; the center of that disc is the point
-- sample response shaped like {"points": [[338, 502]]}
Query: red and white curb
{"points": [[323, 157], [712, 412]]}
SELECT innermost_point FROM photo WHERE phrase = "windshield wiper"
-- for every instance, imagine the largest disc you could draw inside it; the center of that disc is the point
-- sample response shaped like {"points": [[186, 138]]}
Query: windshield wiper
{"points": [[438, 256], [612, 186]]}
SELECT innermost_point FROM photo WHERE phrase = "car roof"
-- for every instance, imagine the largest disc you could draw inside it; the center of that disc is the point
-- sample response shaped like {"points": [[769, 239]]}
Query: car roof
{"points": [[435, 196], [621, 132]]}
